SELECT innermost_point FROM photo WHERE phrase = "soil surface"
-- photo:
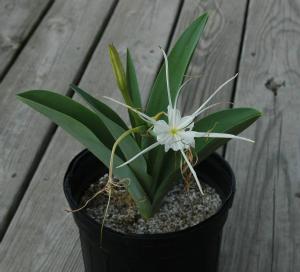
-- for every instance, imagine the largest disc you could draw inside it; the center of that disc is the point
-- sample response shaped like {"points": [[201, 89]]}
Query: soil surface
{"points": [[180, 209]]}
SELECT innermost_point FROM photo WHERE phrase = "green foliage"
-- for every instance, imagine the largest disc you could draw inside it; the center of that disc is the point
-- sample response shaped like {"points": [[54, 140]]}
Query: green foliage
{"points": [[127, 83], [179, 60], [232, 121], [116, 127], [85, 126], [119, 73], [132, 82], [99, 128]]}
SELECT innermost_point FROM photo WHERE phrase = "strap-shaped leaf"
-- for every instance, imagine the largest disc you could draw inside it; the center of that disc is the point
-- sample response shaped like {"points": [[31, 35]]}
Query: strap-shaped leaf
{"points": [[165, 186], [119, 73], [97, 104], [128, 146], [232, 121], [179, 59], [83, 124], [134, 91], [122, 83], [63, 104], [132, 82]]}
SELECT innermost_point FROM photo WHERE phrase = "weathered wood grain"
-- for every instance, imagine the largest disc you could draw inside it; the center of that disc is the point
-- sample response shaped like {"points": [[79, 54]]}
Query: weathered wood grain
{"points": [[59, 153], [263, 232], [216, 56], [40, 227], [17, 21], [42, 236], [52, 59]]}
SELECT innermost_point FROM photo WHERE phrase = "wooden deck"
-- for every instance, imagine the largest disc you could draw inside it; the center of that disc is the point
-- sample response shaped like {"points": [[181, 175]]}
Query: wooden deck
{"points": [[49, 44]]}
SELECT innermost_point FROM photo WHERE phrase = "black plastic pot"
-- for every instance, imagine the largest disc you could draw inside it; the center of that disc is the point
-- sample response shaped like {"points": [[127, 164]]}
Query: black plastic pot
{"points": [[193, 249]]}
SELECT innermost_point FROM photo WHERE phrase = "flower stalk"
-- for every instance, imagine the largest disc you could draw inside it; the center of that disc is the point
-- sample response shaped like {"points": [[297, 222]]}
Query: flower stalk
{"points": [[149, 163], [177, 133]]}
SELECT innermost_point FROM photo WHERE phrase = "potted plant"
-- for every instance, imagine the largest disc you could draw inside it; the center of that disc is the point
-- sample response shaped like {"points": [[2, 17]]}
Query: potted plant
{"points": [[139, 166]]}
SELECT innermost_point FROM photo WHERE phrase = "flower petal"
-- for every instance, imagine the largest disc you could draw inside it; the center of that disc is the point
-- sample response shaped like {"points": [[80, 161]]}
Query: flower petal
{"points": [[142, 115], [187, 137], [185, 122], [192, 171], [165, 139], [209, 107], [160, 127], [174, 116], [219, 135], [179, 91], [177, 143], [167, 76], [214, 93], [150, 147]]}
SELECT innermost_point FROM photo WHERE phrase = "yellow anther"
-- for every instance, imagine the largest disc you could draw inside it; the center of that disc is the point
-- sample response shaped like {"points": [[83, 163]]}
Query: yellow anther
{"points": [[173, 131], [158, 115]]}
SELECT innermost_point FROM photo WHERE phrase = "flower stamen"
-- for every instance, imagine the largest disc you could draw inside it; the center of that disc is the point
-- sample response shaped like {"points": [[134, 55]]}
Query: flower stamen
{"points": [[177, 132], [173, 131]]}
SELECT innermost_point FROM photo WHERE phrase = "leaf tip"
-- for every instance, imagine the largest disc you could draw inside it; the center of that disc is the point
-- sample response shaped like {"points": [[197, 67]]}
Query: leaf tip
{"points": [[204, 16], [22, 95], [257, 113], [112, 51], [111, 46], [73, 86]]}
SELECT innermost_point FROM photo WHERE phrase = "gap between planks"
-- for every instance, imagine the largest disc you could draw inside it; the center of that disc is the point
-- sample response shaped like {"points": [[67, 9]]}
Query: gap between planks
{"points": [[13, 42], [61, 149], [53, 127], [54, 238], [238, 62], [263, 230], [13, 198]]}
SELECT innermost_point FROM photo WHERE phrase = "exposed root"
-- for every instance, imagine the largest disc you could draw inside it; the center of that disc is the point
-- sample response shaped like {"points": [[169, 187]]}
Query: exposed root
{"points": [[88, 201], [111, 184], [185, 172]]}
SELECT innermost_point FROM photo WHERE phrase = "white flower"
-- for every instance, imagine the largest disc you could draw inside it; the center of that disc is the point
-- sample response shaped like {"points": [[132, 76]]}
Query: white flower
{"points": [[177, 133]]}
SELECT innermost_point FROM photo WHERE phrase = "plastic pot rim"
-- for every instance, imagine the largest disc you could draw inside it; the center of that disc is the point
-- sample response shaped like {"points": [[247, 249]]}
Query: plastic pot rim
{"points": [[226, 204]]}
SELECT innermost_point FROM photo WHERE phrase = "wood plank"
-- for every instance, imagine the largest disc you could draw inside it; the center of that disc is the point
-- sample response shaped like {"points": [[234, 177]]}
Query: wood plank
{"points": [[55, 159], [263, 232], [52, 59], [41, 236], [18, 19], [216, 56]]}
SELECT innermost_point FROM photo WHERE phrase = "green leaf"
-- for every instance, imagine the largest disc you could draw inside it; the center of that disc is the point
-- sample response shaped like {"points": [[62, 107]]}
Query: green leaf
{"points": [[169, 175], [128, 146], [165, 186], [159, 159], [119, 73], [85, 126], [179, 59], [97, 105], [122, 83], [134, 92], [63, 104], [232, 121], [132, 83]]}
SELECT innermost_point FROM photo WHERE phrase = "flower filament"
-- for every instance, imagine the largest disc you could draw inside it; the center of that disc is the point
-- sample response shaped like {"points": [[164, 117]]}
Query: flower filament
{"points": [[177, 133]]}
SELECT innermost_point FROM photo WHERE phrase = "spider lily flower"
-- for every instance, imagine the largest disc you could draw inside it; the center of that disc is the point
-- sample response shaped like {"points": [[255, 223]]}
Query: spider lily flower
{"points": [[177, 133]]}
